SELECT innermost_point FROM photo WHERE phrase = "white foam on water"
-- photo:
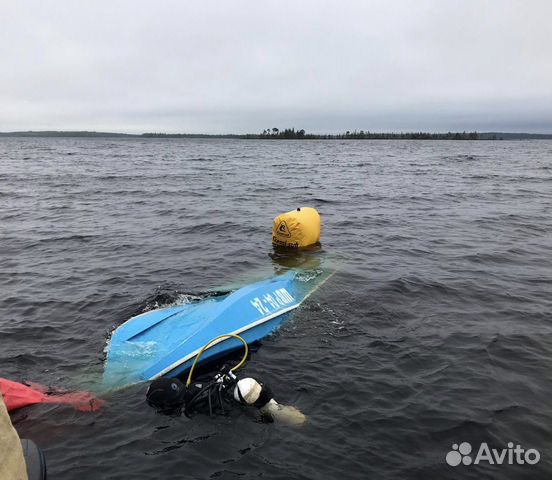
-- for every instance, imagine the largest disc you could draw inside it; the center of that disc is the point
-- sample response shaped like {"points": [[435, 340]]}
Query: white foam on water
{"points": [[181, 299]]}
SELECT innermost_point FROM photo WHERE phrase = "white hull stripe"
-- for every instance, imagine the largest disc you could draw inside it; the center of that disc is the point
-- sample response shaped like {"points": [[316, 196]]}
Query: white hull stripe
{"points": [[235, 332]]}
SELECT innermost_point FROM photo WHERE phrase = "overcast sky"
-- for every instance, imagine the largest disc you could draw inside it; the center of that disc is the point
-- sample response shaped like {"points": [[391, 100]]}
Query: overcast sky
{"points": [[243, 66]]}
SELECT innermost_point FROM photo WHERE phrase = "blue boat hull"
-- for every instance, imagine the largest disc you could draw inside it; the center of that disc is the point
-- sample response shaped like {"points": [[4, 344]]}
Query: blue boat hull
{"points": [[250, 336], [164, 342]]}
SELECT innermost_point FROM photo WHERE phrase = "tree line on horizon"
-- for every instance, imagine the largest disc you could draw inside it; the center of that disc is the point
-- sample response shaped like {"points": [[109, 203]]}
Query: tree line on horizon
{"points": [[291, 133]]}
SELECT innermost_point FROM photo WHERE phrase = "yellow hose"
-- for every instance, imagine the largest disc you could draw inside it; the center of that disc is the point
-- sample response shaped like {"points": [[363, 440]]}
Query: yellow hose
{"points": [[214, 341]]}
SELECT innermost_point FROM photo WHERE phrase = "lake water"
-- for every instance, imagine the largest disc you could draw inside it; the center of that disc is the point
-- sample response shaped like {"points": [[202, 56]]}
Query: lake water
{"points": [[435, 330]]}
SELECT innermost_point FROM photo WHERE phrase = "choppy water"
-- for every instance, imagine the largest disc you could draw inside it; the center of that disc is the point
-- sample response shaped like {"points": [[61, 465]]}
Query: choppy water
{"points": [[435, 330]]}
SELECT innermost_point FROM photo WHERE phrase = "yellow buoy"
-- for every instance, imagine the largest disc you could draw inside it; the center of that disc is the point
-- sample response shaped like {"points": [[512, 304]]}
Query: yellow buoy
{"points": [[296, 229]]}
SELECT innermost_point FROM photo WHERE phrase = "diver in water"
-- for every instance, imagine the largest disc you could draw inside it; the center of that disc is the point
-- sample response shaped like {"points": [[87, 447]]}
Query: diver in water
{"points": [[296, 242], [217, 394]]}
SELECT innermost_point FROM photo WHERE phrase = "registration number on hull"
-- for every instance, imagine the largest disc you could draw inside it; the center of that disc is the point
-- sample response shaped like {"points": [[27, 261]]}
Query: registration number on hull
{"points": [[270, 302]]}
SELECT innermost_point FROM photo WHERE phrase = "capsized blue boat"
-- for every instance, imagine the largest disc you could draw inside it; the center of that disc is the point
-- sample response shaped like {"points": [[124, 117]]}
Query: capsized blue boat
{"points": [[164, 342]]}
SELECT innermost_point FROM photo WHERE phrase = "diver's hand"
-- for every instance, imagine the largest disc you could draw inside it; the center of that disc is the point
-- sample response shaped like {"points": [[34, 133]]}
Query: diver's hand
{"points": [[284, 413]]}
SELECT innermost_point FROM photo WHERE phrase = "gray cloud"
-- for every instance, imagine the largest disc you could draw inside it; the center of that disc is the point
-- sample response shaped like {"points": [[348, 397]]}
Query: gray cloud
{"points": [[242, 66]]}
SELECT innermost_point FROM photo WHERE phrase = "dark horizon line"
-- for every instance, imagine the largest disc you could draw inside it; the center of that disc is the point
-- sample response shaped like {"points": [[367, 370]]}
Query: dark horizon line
{"points": [[266, 134]]}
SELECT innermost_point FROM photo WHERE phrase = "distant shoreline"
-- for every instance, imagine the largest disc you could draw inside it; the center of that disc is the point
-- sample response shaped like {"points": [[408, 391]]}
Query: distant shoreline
{"points": [[292, 134]]}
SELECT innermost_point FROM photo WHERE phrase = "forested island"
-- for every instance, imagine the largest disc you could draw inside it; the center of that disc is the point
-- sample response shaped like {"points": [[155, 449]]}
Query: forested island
{"points": [[293, 134]]}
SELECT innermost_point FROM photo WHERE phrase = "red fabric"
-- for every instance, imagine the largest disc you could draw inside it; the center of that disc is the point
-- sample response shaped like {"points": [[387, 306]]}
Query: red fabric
{"points": [[83, 401], [16, 395]]}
